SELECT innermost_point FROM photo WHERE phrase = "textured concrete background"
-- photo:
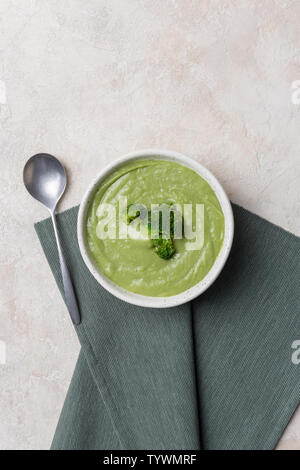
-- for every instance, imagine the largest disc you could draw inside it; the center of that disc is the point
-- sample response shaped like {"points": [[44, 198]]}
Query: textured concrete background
{"points": [[90, 80]]}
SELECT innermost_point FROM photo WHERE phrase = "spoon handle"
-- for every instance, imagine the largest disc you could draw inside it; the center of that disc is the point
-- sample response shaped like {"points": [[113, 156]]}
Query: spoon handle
{"points": [[68, 286]]}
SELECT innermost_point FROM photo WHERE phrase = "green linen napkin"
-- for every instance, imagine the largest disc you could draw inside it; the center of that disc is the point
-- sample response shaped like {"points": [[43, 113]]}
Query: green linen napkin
{"points": [[216, 373]]}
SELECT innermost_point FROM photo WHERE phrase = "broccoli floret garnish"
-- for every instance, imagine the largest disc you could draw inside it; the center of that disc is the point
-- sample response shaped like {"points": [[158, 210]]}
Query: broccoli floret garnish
{"points": [[163, 247]]}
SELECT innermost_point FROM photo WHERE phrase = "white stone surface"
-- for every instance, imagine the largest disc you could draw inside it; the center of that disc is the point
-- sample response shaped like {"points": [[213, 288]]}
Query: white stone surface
{"points": [[90, 80]]}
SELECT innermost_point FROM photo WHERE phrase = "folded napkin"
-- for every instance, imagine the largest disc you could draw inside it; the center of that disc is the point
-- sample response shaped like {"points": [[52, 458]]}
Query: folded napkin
{"points": [[216, 373]]}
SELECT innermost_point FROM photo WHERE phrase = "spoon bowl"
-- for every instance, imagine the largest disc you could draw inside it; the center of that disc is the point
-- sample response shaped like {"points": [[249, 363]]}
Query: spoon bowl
{"points": [[45, 179]]}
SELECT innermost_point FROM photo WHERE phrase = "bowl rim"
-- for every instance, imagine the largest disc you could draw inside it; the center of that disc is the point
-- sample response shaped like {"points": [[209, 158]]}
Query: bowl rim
{"points": [[192, 292]]}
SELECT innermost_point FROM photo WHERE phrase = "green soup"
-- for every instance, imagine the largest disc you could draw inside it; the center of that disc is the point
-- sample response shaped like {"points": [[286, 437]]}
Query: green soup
{"points": [[132, 263]]}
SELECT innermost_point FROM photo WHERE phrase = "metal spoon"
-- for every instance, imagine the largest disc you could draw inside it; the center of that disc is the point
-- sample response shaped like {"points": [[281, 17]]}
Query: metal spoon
{"points": [[45, 179]]}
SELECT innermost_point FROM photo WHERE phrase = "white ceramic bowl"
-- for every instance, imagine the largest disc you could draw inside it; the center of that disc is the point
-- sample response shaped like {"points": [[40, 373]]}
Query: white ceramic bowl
{"points": [[147, 301]]}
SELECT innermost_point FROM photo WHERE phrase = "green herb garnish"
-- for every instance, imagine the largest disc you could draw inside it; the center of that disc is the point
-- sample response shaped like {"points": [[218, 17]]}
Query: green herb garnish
{"points": [[130, 218]]}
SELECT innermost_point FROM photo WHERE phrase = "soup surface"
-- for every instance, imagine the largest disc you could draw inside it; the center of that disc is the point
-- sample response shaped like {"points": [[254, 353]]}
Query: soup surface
{"points": [[132, 262]]}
